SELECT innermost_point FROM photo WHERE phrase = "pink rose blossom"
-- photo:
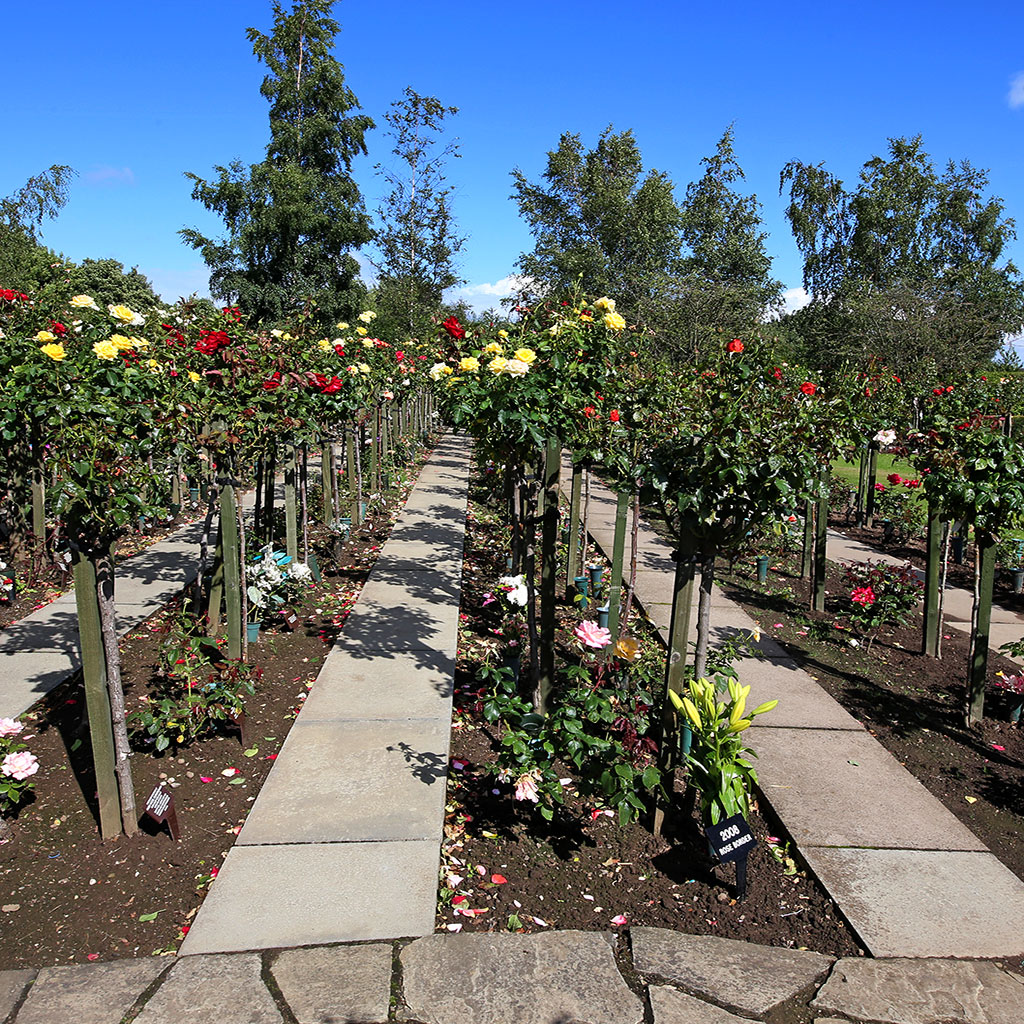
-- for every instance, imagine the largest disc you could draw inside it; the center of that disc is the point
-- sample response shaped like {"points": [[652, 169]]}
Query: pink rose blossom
{"points": [[19, 765], [9, 727], [592, 635], [526, 789]]}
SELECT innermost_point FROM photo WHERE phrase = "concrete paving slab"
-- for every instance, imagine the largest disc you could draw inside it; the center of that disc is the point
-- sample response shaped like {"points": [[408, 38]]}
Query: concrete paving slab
{"points": [[12, 988], [843, 788], [547, 978], [741, 976], [803, 704], [268, 897], [922, 992], [670, 1006], [405, 684], [914, 903], [421, 614], [88, 993], [225, 989], [336, 983], [27, 676], [397, 563], [351, 781]]}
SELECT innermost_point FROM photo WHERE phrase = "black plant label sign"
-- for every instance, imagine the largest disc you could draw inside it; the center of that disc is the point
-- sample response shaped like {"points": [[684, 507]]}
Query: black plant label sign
{"points": [[160, 807], [732, 840]]}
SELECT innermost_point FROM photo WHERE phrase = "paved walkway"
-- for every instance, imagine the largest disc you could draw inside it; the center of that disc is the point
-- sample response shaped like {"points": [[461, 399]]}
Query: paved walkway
{"points": [[908, 876], [567, 977], [957, 603], [343, 842]]}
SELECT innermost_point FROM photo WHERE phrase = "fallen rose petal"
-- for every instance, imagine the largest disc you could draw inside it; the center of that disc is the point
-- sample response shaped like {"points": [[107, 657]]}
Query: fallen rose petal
{"points": [[619, 920], [996, 746], [228, 772], [498, 879], [454, 927], [777, 625], [541, 922], [458, 899], [92, 956], [480, 869]]}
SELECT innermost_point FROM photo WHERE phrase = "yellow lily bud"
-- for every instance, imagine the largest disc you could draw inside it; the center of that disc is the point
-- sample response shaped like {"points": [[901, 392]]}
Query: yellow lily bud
{"points": [[768, 705], [691, 712], [743, 723]]}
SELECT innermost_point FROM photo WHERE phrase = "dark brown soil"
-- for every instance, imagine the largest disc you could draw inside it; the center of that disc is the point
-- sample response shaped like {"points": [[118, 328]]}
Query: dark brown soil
{"points": [[911, 703], [66, 896], [583, 870]]}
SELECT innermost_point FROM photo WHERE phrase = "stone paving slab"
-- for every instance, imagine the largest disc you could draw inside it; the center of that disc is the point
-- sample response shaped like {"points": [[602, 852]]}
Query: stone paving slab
{"points": [[843, 788], [389, 617], [914, 903], [336, 983], [352, 781], [88, 993], [225, 989], [749, 979], [406, 684], [803, 704], [268, 897], [922, 992], [546, 978], [670, 1006], [12, 987]]}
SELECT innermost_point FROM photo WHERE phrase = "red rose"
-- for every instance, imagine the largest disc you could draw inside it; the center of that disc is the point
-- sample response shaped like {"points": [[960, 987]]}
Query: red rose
{"points": [[777, 373], [399, 356], [937, 391], [339, 350], [894, 479], [588, 411], [7, 294], [58, 328], [734, 346], [454, 328], [808, 388], [614, 416]]}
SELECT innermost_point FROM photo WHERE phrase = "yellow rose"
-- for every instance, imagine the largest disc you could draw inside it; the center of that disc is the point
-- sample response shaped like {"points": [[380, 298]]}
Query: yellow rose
{"points": [[276, 332], [525, 355], [605, 304], [614, 322], [105, 349], [44, 336], [84, 302], [366, 341], [324, 345], [502, 334], [154, 366], [368, 317], [497, 364], [439, 370], [287, 337], [493, 349], [120, 342], [194, 377], [122, 313], [342, 326], [55, 352], [363, 368], [140, 344], [469, 364]]}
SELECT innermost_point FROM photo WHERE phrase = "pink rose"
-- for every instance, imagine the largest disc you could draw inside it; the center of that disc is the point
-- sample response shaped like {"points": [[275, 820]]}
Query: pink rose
{"points": [[526, 789], [592, 635], [9, 727], [19, 765]]}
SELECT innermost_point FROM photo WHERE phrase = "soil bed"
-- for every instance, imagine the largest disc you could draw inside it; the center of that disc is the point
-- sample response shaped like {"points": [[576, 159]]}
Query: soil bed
{"points": [[582, 870], [66, 896]]}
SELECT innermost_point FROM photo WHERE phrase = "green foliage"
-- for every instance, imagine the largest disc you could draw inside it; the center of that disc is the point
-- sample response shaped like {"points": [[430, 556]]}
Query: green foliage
{"points": [[293, 219], [905, 511], [724, 284], [416, 242], [910, 265], [598, 220], [110, 284], [880, 595], [719, 761]]}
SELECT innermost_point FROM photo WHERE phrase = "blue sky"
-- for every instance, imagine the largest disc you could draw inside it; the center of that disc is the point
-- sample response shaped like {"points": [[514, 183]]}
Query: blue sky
{"points": [[132, 95]]}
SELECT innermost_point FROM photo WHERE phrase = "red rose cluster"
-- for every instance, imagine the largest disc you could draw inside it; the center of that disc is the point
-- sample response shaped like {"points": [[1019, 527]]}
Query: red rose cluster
{"points": [[11, 296], [212, 341], [454, 328]]}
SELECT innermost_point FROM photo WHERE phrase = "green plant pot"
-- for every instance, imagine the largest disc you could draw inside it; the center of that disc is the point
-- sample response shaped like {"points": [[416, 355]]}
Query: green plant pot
{"points": [[762, 568], [1018, 580], [252, 631]]}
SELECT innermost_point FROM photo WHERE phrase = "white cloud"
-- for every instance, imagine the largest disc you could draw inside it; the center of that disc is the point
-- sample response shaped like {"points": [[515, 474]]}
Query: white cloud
{"points": [[484, 296], [794, 299], [1015, 97], [112, 176]]}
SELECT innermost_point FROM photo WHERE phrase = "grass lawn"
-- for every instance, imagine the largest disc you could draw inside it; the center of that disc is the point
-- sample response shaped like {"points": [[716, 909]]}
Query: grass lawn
{"points": [[886, 464]]}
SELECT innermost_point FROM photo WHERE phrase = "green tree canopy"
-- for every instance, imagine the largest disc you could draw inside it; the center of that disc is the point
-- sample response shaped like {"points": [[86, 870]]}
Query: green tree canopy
{"points": [[417, 242], [913, 258], [293, 220], [597, 218]]}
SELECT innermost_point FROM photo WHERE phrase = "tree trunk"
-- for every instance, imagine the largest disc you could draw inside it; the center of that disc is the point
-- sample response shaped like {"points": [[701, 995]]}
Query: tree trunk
{"points": [[700, 654], [869, 511], [232, 561], [821, 541], [572, 568], [807, 559], [981, 620], [622, 503], [549, 571], [930, 633], [291, 526]]}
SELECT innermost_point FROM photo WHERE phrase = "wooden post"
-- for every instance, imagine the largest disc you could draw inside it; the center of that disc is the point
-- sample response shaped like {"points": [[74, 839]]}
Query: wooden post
{"points": [[807, 559], [984, 576], [820, 541], [618, 551], [869, 511], [675, 673], [97, 697], [327, 481], [269, 493], [572, 567], [374, 422], [548, 571], [291, 525], [350, 474], [930, 637], [231, 562]]}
